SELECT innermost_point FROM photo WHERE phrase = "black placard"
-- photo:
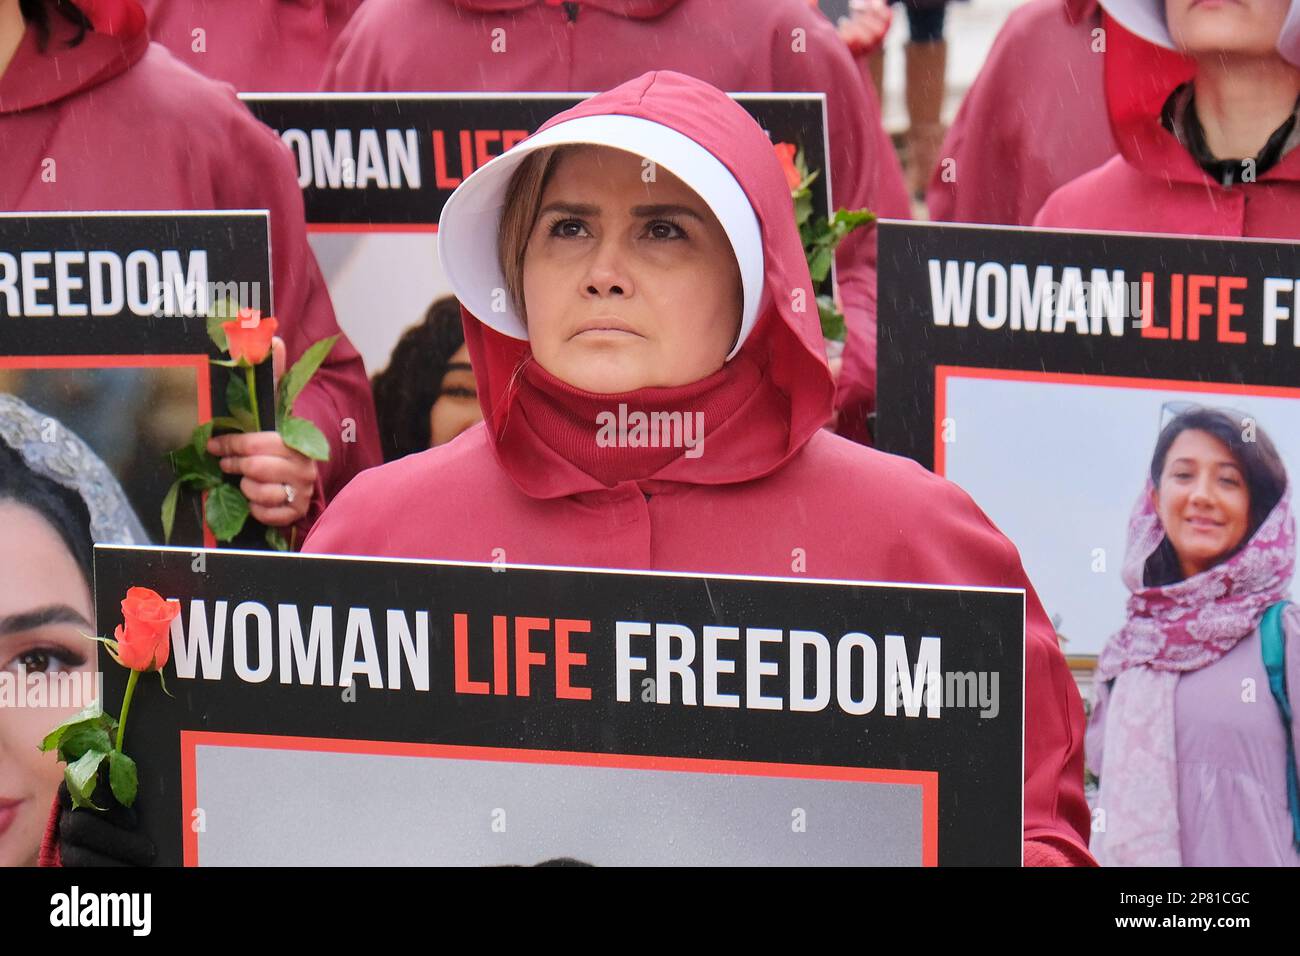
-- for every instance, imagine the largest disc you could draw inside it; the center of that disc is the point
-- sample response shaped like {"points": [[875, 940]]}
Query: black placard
{"points": [[965, 761], [1249, 336], [394, 159], [121, 291]]}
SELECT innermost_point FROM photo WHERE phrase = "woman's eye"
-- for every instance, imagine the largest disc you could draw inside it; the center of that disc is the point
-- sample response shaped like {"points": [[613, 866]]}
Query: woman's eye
{"points": [[458, 392], [666, 229], [41, 660], [568, 228]]}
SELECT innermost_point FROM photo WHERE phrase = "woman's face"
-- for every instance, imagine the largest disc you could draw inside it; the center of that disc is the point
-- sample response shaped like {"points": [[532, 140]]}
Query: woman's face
{"points": [[456, 408], [44, 603], [1242, 27], [1203, 501], [627, 283]]}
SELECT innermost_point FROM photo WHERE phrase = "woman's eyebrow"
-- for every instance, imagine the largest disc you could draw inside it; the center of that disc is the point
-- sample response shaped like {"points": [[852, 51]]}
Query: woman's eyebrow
{"points": [[571, 208], [41, 617], [459, 367], [665, 209]]}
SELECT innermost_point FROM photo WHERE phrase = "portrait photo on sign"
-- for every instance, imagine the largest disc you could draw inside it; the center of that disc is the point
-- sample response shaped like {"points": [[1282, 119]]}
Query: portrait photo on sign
{"points": [[1083, 450]]}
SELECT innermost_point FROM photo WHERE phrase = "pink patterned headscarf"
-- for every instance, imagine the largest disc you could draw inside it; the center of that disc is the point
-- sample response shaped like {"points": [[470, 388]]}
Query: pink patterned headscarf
{"points": [[1170, 629]]}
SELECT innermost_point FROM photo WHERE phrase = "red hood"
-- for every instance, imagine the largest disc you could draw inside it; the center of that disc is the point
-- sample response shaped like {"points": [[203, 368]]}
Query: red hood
{"points": [[35, 78], [632, 9], [794, 394], [1076, 11], [1139, 78]]}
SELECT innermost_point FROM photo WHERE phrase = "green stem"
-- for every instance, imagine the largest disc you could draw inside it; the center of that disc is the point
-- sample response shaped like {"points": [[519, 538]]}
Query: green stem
{"points": [[252, 397], [293, 537], [126, 706]]}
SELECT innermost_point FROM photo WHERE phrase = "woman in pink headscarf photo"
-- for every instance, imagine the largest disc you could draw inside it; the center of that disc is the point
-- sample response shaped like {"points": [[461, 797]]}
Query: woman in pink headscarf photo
{"points": [[1199, 762]]}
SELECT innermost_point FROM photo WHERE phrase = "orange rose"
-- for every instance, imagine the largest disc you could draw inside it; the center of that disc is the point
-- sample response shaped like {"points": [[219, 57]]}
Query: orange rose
{"points": [[785, 152], [144, 641], [248, 337]]}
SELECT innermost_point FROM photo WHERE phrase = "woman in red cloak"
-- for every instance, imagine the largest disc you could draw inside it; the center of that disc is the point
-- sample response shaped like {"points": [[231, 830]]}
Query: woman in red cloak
{"points": [[640, 250], [93, 117], [1203, 102]]}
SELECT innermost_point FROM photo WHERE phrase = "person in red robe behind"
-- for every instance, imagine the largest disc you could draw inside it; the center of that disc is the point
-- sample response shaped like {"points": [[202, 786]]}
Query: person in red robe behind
{"points": [[266, 46], [1034, 119], [684, 307], [111, 122], [737, 45], [1203, 100]]}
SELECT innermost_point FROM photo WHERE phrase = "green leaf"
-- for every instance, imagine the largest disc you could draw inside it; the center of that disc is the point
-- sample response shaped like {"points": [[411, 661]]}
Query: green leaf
{"points": [[202, 435], [831, 318], [169, 510], [276, 539], [851, 219], [226, 511], [81, 777], [303, 436], [81, 740], [803, 209], [222, 311], [237, 399], [296, 379], [228, 423], [819, 264], [88, 716], [122, 777]]}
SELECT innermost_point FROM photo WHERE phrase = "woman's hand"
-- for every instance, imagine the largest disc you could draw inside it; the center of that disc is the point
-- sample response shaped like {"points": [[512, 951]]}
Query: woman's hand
{"points": [[278, 481], [865, 28]]}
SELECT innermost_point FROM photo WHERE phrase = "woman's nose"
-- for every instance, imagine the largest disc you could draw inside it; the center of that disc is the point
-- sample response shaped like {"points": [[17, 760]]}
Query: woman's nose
{"points": [[607, 274], [1202, 491]]}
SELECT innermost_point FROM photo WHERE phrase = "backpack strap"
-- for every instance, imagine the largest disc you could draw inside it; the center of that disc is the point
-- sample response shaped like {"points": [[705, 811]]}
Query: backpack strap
{"points": [[1273, 648]]}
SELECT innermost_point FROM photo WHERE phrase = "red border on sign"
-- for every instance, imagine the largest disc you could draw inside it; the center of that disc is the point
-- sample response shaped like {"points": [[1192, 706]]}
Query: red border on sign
{"points": [[202, 372], [927, 780], [944, 372]]}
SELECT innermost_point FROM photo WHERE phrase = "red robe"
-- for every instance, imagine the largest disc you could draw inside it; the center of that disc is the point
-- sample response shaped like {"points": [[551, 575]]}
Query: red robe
{"points": [[1033, 120], [129, 128], [770, 485], [737, 45], [1155, 185], [255, 45]]}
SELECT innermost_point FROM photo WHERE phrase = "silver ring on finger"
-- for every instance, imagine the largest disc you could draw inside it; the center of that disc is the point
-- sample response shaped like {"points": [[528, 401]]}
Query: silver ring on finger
{"points": [[289, 494]]}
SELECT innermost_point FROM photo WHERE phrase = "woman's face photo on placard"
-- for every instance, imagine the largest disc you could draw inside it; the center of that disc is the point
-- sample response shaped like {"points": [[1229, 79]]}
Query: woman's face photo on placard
{"points": [[1215, 476], [427, 394], [46, 663], [1083, 455]]}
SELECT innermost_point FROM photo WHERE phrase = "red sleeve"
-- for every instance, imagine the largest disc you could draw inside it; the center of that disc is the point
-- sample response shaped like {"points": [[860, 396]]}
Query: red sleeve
{"points": [[1052, 853], [50, 855], [338, 398], [865, 174]]}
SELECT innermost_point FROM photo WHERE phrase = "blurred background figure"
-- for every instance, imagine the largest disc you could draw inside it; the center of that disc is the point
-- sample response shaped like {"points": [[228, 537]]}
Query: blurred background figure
{"points": [[427, 395], [1203, 101], [863, 25], [93, 116], [267, 46], [1034, 119]]}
